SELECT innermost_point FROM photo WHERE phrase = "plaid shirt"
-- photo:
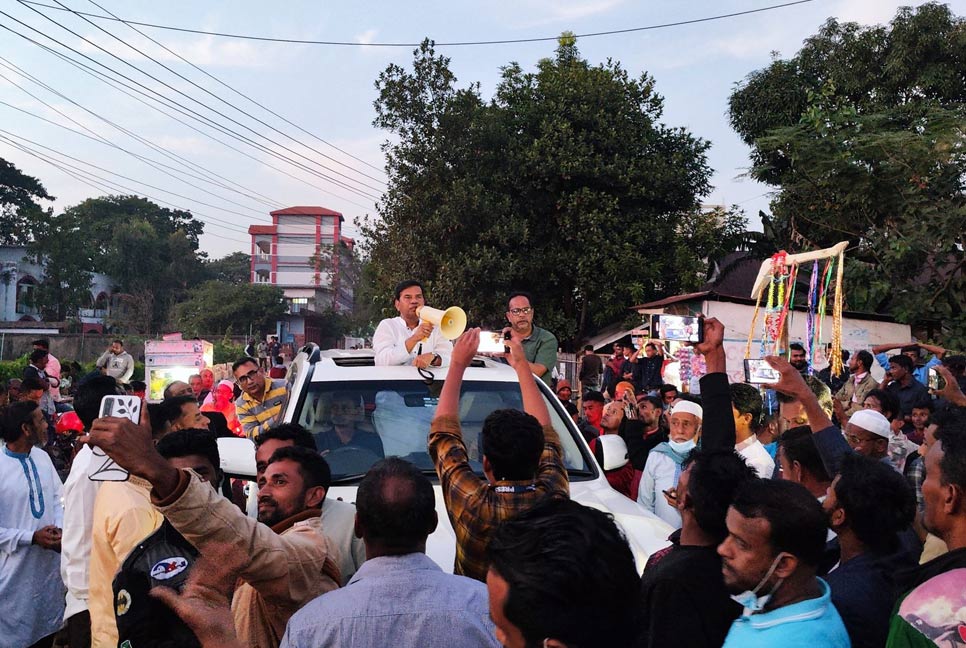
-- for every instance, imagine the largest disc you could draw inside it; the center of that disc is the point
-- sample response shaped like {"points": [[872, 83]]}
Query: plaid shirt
{"points": [[475, 506]]}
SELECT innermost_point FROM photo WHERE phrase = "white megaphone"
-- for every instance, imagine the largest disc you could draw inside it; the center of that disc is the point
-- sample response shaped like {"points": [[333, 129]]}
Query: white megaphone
{"points": [[450, 322]]}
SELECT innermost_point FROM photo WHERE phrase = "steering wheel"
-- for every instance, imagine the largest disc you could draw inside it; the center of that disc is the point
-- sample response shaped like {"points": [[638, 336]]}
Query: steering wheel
{"points": [[351, 460]]}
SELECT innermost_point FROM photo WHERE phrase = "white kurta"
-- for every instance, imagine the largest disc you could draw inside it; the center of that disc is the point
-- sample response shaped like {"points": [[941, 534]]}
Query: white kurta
{"points": [[389, 344], [660, 473], [31, 589]]}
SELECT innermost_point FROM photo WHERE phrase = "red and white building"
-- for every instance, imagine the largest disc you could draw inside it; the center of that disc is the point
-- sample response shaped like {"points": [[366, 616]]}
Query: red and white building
{"points": [[301, 252]]}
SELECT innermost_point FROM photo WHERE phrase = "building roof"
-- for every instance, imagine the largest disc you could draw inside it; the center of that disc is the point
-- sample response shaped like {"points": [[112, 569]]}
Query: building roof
{"points": [[311, 210], [261, 229]]}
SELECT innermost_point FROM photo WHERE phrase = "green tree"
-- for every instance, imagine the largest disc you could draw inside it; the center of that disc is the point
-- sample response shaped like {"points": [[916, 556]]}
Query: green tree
{"points": [[19, 194], [566, 183], [66, 284], [213, 308], [234, 268], [863, 133]]}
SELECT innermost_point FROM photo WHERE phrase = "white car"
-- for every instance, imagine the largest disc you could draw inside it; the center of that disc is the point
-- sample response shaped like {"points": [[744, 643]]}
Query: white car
{"points": [[398, 405]]}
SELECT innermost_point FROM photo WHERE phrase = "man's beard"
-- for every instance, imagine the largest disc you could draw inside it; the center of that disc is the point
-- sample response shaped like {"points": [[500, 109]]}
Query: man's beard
{"points": [[278, 514]]}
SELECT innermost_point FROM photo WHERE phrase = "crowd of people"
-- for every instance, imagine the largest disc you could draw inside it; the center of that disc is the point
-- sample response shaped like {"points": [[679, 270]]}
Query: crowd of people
{"points": [[819, 510]]}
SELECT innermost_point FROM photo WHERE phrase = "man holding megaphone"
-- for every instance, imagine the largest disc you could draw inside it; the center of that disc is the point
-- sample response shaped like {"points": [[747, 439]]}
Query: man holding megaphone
{"points": [[407, 339]]}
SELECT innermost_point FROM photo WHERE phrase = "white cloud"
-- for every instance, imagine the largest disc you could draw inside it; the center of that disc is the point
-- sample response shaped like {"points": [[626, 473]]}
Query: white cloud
{"points": [[539, 12], [866, 12], [366, 37], [208, 51]]}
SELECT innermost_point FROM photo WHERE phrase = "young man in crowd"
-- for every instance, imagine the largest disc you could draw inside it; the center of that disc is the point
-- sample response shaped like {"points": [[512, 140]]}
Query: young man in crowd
{"points": [[912, 351], [399, 597], [850, 397], [776, 536], [522, 458], [116, 363], [904, 386], [583, 593], [593, 406], [746, 409], [589, 370], [287, 560], [261, 399], [31, 517], [645, 434]]}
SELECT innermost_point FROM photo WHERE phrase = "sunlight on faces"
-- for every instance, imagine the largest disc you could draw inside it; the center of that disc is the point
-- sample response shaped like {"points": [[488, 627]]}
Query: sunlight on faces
{"points": [[684, 426], [191, 418], [410, 300], [282, 492], [612, 416], [264, 452], [746, 553], [649, 413], [522, 321], [593, 410], [791, 415], [934, 493]]}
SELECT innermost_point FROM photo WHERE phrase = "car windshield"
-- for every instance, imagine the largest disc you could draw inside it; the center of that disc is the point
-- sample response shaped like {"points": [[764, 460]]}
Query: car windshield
{"points": [[356, 424]]}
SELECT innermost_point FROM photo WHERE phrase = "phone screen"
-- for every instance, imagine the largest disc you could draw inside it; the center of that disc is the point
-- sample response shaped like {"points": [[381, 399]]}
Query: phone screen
{"points": [[935, 380], [678, 328], [759, 372], [490, 342]]}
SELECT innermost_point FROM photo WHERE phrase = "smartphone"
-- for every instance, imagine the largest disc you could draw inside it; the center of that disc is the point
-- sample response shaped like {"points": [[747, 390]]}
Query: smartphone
{"points": [[936, 381], [103, 467], [759, 372], [677, 328], [491, 342]]}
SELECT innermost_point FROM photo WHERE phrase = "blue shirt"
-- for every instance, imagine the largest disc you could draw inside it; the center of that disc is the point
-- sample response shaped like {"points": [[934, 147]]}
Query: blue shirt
{"points": [[806, 624], [919, 373], [397, 601]]}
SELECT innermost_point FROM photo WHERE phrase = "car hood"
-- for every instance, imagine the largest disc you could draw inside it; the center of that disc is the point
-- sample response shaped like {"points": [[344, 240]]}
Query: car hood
{"points": [[645, 532]]}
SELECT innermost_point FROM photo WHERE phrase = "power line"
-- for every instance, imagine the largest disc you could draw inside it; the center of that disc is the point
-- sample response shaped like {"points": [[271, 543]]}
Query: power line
{"points": [[194, 114], [111, 187], [237, 92], [510, 41]]}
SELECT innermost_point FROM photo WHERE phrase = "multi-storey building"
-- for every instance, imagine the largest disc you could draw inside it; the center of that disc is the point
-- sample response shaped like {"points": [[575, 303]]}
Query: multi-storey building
{"points": [[303, 252]]}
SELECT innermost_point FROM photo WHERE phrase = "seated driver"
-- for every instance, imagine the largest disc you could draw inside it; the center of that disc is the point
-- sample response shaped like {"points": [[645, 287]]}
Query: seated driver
{"points": [[346, 417]]}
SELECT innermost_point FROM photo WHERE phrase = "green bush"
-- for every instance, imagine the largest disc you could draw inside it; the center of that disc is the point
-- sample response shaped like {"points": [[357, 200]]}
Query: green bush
{"points": [[227, 351], [12, 368]]}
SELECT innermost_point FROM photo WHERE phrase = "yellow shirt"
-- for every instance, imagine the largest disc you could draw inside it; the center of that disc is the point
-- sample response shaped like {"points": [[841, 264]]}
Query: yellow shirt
{"points": [[123, 516]]}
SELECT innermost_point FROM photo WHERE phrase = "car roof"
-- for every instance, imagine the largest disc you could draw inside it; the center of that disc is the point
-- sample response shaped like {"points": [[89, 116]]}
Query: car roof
{"points": [[359, 364]]}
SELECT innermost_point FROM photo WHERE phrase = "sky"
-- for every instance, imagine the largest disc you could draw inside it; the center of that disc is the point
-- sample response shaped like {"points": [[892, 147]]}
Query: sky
{"points": [[332, 156]]}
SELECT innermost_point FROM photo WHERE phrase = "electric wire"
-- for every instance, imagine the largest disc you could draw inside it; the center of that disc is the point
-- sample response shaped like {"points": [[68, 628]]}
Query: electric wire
{"points": [[176, 107], [194, 114], [196, 101], [237, 92], [509, 41]]}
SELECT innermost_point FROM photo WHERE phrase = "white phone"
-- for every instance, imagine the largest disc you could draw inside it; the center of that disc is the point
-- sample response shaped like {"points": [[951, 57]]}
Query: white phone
{"points": [[103, 467]]}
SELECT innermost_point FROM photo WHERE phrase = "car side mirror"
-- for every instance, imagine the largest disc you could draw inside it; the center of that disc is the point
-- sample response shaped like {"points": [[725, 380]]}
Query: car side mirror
{"points": [[611, 451], [237, 457]]}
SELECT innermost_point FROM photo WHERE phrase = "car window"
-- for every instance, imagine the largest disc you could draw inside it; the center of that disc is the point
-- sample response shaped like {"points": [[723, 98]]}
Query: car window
{"points": [[355, 424]]}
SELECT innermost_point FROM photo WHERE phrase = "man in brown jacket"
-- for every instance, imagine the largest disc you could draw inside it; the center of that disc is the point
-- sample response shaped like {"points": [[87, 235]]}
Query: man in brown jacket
{"points": [[288, 560], [849, 399]]}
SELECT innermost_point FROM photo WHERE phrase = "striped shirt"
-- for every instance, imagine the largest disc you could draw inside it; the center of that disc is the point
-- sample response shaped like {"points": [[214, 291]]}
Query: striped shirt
{"points": [[257, 416], [475, 506]]}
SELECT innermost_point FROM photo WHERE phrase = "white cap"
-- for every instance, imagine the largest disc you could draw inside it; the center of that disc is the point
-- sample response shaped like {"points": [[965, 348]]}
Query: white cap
{"points": [[687, 407], [872, 421]]}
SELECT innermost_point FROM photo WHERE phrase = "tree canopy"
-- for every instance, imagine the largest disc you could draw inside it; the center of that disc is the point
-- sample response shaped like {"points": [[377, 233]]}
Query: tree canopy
{"points": [[862, 132], [566, 183], [19, 194], [216, 307]]}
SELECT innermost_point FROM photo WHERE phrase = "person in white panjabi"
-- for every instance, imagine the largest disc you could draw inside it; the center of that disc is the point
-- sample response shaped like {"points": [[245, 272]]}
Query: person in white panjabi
{"points": [[405, 340], [31, 589]]}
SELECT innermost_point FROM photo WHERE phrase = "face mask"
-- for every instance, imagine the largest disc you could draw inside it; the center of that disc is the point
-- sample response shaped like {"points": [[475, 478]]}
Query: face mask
{"points": [[682, 447], [750, 600]]}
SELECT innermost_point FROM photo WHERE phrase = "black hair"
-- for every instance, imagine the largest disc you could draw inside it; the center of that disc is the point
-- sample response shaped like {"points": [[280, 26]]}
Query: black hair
{"points": [[714, 478], [37, 354], [519, 293], [952, 435], [588, 347], [903, 361], [512, 441], [171, 408], [865, 358], [878, 501], [182, 443], [15, 416], [402, 285], [888, 401], [846, 355], [87, 400], [121, 342], [796, 346], [31, 384], [243, 361], [138, 385], [908, 349], [797, 524], [557, 556], [43, 343], [667, 389], [821, 391], [747, 400], [924, 403], [571, 408], [593, 395], [158, 423], [955, 363], [396, 505], [952, 418], [293, 432], [798, 445], [650, 345], [312, 466], [653, 400]]}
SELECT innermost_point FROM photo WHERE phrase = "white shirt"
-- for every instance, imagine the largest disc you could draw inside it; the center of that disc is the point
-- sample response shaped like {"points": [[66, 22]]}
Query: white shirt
{"points": [[31, 591], [660, 473], [756, 456], [389, 343], [75, 546]]}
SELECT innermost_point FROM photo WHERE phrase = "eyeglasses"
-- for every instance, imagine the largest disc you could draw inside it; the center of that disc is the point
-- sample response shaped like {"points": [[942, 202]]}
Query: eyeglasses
{"points": [[857, 440], [521, 311], [251, 375]]}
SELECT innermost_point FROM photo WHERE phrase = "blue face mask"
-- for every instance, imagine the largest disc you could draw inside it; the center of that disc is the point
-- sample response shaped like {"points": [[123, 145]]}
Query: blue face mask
{"points": [[750, 600], [683, 447]]}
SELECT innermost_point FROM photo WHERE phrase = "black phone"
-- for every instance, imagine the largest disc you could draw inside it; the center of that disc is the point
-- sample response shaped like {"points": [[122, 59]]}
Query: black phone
{"points": [[936, 381], [759, 372], [677, 328], [506, 336]]}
